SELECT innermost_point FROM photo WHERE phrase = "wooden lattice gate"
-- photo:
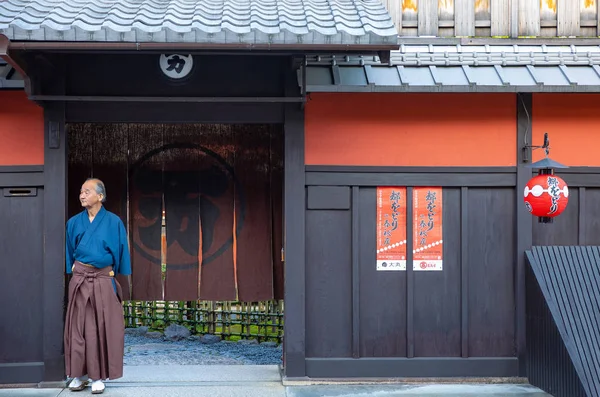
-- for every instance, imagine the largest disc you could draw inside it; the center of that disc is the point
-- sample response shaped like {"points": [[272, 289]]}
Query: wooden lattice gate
{"points": [[218, 189]]}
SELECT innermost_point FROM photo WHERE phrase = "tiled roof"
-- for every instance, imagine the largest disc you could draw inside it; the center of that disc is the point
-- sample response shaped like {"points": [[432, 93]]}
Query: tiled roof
{"points": [[346, 22], [475, 55], [433, 68]]}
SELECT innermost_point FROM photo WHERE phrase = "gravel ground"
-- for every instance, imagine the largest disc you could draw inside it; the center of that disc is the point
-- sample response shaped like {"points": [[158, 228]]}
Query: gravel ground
{"points": [[140, 350]]}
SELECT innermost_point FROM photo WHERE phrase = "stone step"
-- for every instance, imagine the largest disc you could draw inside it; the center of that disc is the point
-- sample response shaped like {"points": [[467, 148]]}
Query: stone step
{"points": [[420, 390]]}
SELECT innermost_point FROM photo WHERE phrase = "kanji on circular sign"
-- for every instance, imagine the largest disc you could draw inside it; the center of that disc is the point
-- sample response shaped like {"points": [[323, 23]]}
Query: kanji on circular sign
{"points": [[176, 66]]}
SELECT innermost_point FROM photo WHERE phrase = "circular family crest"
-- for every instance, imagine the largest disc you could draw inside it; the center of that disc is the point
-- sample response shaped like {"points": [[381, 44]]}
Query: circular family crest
{"points": [[176, 66]]}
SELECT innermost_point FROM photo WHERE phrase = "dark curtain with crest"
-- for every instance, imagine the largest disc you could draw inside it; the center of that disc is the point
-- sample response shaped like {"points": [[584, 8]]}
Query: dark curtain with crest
{"points": [[202, 205]]}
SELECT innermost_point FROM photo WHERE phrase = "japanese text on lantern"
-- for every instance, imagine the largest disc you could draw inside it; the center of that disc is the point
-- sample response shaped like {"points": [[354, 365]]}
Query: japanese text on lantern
{"points": [[427, 228], [391, 228]]}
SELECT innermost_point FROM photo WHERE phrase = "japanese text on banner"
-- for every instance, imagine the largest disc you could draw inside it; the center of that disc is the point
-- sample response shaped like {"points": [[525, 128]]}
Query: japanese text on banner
{"points": [[391, 228], [428, 245]]}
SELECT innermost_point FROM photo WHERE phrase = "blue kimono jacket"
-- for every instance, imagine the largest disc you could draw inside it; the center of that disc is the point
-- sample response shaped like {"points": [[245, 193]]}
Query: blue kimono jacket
{"points": [[100, 243]]}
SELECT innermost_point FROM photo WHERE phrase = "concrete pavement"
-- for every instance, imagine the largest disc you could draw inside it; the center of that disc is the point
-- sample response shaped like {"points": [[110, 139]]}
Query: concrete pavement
{"points": [[261, 381]]}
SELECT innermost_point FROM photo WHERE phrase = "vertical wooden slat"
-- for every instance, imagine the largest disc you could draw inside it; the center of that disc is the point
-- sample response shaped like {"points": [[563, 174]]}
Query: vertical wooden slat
{"points": [[524, 230], [54, 215], [409, 9], [483, 10], [464, 261], [568, 18], [529, 17], [500, 17], [295, 236], [446, 10], [410, 277], [355, 273], [548, 10], [394, 8], [589, 13], [428, 18], [464, 19], [582, 213], [446, 18]]}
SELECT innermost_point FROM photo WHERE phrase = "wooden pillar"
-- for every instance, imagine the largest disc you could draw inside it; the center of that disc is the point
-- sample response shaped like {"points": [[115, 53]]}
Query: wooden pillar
{"points": [[294, 235], [524, 221], [55, 210]]}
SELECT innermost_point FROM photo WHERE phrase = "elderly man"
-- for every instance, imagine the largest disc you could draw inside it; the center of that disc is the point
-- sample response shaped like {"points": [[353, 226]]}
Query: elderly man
{"points": [[96, 250]]}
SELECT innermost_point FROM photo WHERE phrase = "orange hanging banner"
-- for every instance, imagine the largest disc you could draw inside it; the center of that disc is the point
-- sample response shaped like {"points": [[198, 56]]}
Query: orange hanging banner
{"points": [[391, 228], [428, 245]]}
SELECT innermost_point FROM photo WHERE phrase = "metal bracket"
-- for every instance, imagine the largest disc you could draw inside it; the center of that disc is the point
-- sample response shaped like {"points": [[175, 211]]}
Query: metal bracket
{"points": [[545, 146]]}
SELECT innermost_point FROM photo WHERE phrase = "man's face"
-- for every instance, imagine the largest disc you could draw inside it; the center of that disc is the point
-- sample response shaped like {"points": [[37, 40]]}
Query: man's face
{"points": [[88, 195]]}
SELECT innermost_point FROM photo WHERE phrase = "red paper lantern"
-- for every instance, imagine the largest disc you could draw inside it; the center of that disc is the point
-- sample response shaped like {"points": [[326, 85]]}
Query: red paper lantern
{"points": [[546, 195]]}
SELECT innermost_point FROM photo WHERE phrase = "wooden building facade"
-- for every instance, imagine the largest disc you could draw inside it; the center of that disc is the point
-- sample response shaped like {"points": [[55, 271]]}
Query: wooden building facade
{"points": [[355, 119], [485, 19]]}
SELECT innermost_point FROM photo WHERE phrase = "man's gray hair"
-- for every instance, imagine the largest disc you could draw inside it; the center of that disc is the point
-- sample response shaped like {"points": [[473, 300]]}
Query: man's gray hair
{"points": [[100, 188]]}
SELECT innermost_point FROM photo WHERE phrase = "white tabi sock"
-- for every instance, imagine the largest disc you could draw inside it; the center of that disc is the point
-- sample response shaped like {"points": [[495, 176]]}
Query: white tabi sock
{"points": [[97, 386], [77, 383]]}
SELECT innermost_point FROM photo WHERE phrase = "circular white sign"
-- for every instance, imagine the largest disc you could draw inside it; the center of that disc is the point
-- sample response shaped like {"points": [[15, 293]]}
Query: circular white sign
{"points": [[176, 66]]}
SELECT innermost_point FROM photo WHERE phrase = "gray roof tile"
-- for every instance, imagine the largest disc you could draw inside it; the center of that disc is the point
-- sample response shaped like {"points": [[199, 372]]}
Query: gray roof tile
{"points": [[344, 22], [456, 68]]}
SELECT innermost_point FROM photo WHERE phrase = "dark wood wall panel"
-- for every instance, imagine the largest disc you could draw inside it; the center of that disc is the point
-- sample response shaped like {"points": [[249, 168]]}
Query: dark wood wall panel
{"points": [[328, 283], [382, 294], [21, 283], [590, 208], [437, 300], [564, 230], [491, 258]]}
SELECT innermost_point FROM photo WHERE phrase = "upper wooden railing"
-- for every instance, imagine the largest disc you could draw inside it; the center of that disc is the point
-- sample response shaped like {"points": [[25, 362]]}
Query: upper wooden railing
{"points": [[495, 18]]}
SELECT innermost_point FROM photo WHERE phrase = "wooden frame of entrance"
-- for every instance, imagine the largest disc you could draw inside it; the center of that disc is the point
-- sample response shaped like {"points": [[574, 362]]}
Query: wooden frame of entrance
{"points": [[58, 113]]}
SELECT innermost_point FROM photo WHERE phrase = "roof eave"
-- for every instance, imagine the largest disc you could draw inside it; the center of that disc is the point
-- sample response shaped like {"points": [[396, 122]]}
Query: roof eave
{"points": [[5, 54], [84, 46]]}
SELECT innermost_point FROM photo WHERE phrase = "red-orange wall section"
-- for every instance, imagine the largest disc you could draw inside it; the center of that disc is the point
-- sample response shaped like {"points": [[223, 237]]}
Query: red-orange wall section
{"points": [[393, 129], [21, 130], [572, 122]]}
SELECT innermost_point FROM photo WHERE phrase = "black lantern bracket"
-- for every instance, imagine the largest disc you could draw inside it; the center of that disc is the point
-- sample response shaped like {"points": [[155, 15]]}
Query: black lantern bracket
{"points": [[546, 165]]}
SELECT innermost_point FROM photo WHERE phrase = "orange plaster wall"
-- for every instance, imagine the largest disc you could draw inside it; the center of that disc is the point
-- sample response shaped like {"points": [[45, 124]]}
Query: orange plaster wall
{"points": [[394, 129], [21, 130], [572, 122]]}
